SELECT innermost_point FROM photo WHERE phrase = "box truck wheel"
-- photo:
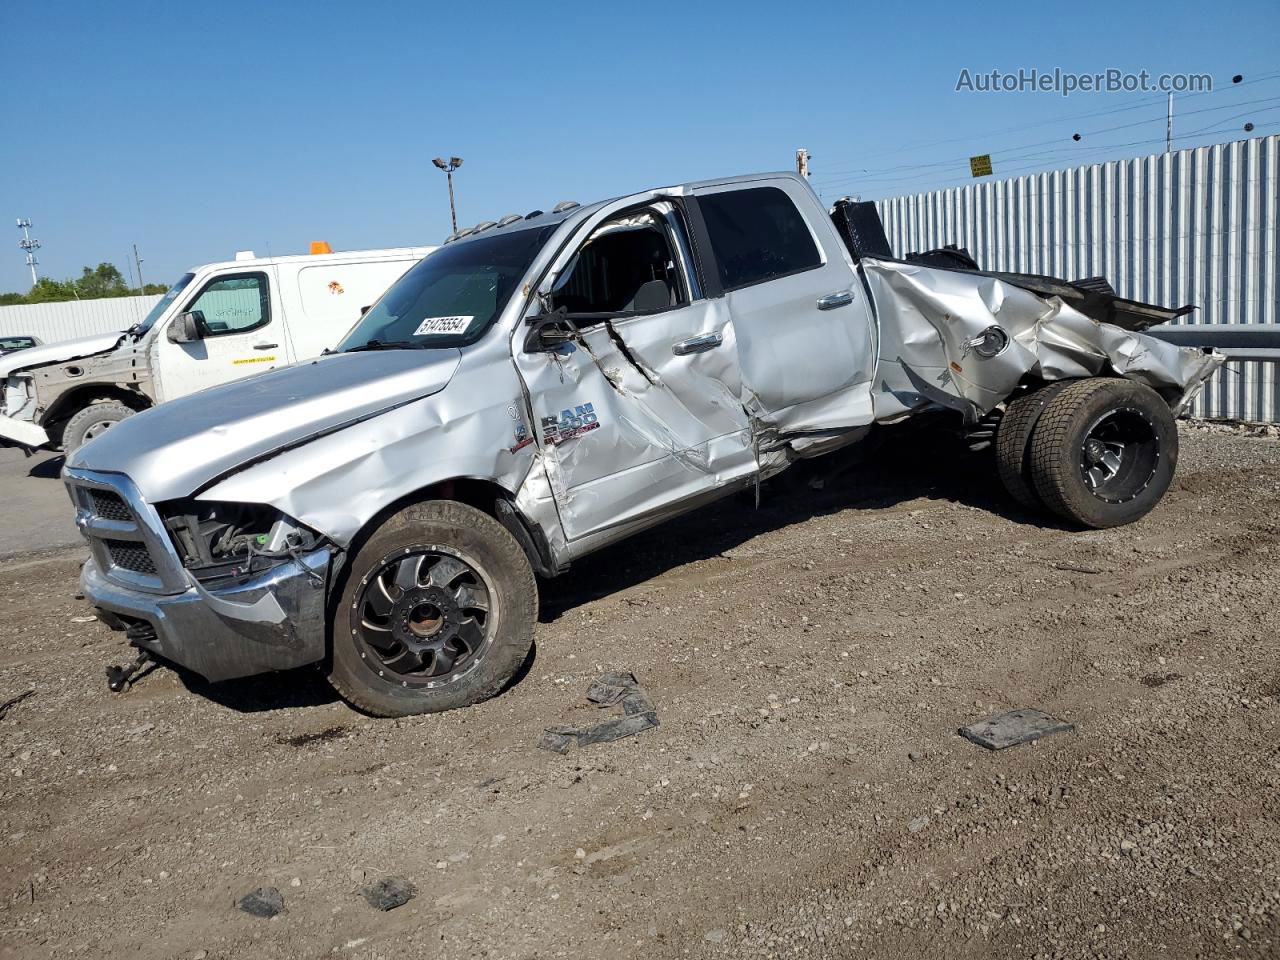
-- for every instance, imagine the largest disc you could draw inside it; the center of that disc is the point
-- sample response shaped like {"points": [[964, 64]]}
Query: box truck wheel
{"points": [[93, 420], [1104, 451], [1013, 442], [437, 612]]}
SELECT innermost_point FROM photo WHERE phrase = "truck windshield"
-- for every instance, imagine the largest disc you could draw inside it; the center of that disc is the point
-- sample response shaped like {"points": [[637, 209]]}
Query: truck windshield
{"points": [[452, 296], [139, 330]]}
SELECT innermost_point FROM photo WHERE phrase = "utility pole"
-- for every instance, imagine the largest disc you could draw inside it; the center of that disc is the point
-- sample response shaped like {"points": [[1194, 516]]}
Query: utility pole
{"points": [[138, 260], [1168, 127], [30, 246], [448, 166], [802, 162]]}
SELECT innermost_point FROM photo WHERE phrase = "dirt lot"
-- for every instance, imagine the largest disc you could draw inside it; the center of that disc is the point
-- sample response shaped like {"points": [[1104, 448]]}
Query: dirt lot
{"points": [[805, 795]]}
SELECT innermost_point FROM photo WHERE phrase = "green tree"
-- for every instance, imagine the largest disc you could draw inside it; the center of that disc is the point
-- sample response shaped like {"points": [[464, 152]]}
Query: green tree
{"points": [[49, 290], [105, 280]]}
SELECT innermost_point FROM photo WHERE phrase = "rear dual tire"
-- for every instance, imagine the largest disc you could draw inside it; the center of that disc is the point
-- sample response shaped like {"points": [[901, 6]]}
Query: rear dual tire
{"points": [[1098, 453]]}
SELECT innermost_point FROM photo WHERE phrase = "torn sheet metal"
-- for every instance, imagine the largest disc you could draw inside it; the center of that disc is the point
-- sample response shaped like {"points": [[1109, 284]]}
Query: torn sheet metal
{"points": [[932, 322], [609, 689], [630, 427]]}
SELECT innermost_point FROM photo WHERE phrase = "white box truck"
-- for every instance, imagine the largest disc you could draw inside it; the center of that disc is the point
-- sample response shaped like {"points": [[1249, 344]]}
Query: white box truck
{"points": [[219, 322]]}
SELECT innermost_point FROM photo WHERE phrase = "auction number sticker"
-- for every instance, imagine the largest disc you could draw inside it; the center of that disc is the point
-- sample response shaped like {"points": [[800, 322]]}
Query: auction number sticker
{"points": [[443, 325]]}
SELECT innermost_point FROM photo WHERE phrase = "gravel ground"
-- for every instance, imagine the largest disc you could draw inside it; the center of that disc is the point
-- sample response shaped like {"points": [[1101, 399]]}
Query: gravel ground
{"points": [[806, 794]]}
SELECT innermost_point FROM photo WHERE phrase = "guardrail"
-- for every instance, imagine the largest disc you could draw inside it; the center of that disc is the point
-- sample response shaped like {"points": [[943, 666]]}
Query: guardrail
{"points": [[1238, 342]]}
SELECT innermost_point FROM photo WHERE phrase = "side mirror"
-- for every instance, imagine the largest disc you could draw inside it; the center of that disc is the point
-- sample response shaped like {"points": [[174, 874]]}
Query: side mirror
{"points": [[365, 309], [547, 331], [187, 327]]}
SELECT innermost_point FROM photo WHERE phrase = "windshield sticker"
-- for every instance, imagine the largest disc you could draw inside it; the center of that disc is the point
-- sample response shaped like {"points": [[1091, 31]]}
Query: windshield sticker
{"points": [[570, 424], [443, 325]]}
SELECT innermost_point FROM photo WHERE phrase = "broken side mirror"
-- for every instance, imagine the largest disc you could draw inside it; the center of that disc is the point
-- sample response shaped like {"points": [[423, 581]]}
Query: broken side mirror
{"points": [[548, 331], [187, 327]]}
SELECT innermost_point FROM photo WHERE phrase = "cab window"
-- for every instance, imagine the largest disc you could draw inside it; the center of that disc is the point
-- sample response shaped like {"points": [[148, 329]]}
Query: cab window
{"points": [[757, 235], [233, 304], [628, 266]]}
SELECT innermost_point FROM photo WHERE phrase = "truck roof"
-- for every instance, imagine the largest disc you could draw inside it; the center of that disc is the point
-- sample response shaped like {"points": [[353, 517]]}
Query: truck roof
{"points": [[341, 256], [566, 209]]}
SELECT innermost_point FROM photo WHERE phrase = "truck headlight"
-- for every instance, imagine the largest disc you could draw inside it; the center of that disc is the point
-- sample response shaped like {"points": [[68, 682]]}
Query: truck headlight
{"points": [[16, 393], [218, 541]]}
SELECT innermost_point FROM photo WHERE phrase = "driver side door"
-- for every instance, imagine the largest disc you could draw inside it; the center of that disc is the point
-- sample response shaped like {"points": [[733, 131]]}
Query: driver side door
{"points": [[638, 414], [242, 333]]}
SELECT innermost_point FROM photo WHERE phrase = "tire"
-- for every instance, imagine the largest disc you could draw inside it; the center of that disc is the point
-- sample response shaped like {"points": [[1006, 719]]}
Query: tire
{"points": [[391, 644], [92, 421], [1013, 442], [1104, 452]]}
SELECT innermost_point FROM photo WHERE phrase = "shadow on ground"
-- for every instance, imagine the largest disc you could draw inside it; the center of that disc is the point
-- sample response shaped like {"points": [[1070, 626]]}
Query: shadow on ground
{"points": [[891, 466], [304, 687], [50, 468]]}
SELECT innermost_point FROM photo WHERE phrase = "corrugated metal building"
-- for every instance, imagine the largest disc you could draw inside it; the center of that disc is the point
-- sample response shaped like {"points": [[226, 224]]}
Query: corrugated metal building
{"points": [[1195, 226], [52, 322]]}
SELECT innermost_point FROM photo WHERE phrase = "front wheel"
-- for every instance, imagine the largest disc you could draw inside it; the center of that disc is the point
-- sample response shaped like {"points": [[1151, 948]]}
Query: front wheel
{"points": [[93, 421], [437, 612], [1104, 452]]}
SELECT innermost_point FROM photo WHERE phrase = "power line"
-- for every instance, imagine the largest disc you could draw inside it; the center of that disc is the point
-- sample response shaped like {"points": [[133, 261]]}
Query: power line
{"points": [[1061, 119], [886, 182], [847, 176]]}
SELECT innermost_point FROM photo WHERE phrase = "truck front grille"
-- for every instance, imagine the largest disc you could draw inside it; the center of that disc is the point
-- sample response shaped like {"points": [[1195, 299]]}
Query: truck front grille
{"points": [[130, 556], [126, 535], [109, 506]]}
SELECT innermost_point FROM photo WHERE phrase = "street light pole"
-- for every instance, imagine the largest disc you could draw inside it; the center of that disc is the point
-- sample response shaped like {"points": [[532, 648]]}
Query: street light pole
{"points": [[448, 166]]}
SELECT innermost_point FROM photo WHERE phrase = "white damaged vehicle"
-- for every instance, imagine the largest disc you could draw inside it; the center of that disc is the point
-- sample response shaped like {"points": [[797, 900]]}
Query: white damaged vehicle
{"points": [[219, 322], [548, 384]]}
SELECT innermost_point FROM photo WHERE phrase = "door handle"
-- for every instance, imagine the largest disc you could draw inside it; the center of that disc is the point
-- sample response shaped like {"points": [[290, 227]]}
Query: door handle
{"points": [[832, 300], [265, 346], [708, 341]]}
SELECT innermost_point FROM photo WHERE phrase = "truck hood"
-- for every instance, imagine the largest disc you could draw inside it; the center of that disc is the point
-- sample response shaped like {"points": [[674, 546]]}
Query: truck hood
{"points": [[177, 448], [58, 352]]}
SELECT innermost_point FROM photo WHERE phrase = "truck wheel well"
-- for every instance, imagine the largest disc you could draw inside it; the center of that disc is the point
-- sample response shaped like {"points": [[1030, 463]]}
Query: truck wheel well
{"points": [[487, 497], [73, 401]]}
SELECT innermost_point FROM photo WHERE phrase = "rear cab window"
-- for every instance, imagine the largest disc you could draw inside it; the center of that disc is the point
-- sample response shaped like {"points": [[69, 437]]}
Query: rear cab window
{"points": [[757, 235]]}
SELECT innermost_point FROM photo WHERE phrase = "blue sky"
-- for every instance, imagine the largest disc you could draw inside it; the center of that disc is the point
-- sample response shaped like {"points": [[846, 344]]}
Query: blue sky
{"points": [[195, 130]]}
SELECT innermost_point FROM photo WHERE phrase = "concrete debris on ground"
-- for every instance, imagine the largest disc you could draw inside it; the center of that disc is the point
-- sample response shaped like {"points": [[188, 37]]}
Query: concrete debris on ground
{"points": [[1016, 726], [608, 690], [389, 893], [262, 902]]}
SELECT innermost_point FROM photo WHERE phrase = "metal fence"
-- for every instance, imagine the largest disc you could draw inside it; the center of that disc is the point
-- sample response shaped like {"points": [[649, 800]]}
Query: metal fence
{"points": [[1195, 226], [52, 322]]}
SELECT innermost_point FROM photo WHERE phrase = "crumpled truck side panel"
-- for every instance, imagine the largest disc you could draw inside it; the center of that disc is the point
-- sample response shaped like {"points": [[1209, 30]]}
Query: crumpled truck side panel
{"points": [[662, 428], [928, 318], [338, 482]]}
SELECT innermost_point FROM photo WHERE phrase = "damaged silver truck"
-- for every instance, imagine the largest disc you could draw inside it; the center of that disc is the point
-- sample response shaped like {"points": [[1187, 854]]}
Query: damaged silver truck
{"points": [[548, 384]]}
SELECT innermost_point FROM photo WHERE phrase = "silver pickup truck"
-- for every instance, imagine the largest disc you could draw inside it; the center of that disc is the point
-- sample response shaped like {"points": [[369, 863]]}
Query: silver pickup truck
{"points": [[547, 384]]}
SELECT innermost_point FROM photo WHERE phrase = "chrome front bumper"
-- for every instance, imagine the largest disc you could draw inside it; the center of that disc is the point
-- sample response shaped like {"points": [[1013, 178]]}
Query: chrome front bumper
{"points": [[274, 620]]}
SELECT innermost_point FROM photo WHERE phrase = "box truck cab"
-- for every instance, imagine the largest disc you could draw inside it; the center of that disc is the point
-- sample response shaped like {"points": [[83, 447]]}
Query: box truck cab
{"points": [[219, 322]]}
